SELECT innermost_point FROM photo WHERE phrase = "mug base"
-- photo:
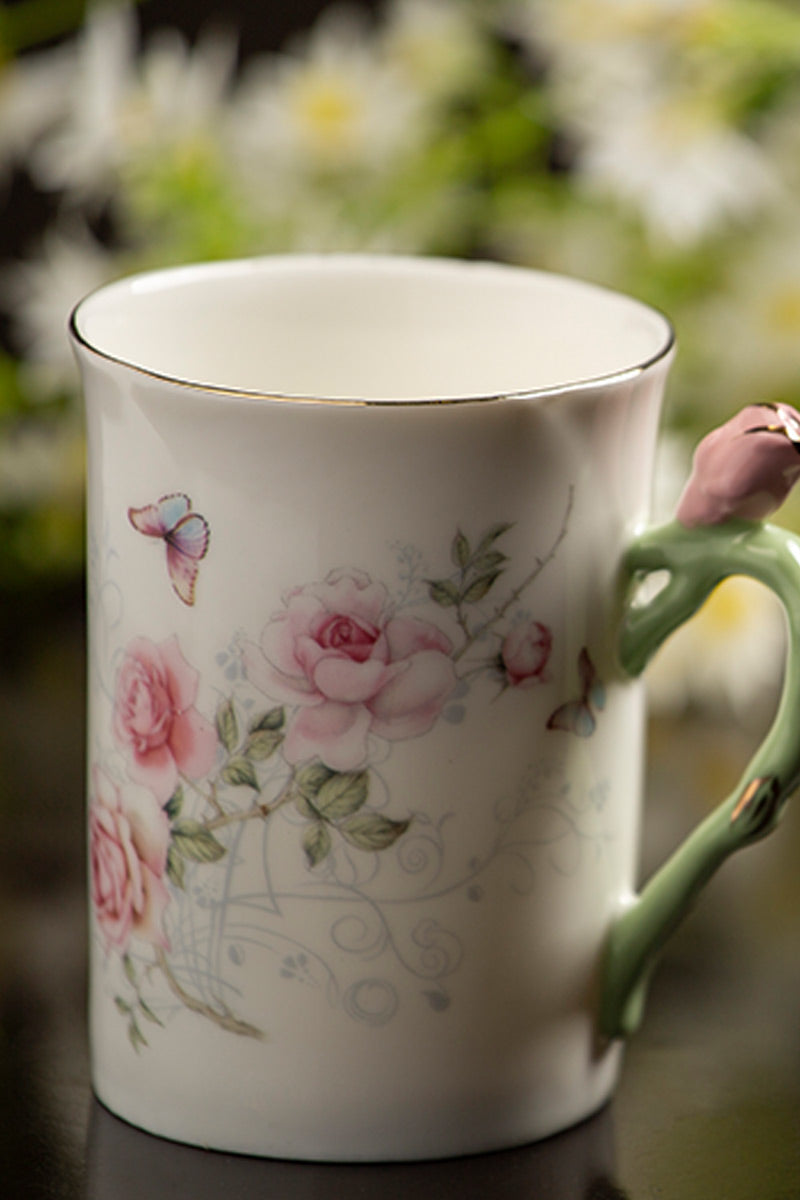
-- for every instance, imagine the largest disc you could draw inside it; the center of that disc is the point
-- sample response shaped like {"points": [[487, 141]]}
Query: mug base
{"points": [[424, 1136]]}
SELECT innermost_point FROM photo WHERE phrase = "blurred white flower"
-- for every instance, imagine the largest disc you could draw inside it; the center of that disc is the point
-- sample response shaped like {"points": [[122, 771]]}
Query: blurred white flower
{"points": [[728, 659], [439, 45], [591, 44], [81, 154], [593, 22], [127, 106], [752, 325], [41, 292], [329, 103], [641, 86], [34, 92], [182, 90], [681, 167]]}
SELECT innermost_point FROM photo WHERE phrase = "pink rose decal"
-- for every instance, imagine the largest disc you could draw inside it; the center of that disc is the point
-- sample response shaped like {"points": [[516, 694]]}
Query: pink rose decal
{"points": [[156, 720], [128, 842], [350, 668], [525, 654], [744, 469]]}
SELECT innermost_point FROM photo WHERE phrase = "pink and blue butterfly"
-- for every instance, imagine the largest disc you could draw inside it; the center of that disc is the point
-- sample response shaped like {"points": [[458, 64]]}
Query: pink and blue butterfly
{"points": [[185, 534], [579, 716]]}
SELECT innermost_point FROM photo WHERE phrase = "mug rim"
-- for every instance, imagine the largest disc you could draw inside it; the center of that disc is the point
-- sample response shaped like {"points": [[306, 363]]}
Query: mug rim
{"points": [[150, 278]]}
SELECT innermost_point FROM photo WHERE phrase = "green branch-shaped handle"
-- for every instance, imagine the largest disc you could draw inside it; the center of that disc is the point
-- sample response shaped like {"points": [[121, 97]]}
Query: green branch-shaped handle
{"points": [[697, 559]]}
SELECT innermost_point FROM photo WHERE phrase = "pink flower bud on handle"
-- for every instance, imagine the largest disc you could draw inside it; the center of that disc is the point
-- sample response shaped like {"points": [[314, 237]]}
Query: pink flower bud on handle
{"points": [[745, 468]]}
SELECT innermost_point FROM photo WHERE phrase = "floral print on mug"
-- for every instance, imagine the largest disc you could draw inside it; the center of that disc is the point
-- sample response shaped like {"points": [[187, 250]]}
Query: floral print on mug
{"points": [[340, 672]]}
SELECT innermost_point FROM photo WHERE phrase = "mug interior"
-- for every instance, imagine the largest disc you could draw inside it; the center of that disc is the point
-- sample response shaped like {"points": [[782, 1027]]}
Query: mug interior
{"points": [[370, 328]]}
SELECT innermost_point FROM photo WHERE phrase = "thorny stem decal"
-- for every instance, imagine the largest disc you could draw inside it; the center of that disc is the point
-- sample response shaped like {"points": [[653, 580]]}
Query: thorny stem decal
{"points": [[221, 1017]]}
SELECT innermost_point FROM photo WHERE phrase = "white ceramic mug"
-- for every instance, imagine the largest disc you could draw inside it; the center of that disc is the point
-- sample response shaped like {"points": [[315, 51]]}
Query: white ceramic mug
{"points": [[364, 761]]}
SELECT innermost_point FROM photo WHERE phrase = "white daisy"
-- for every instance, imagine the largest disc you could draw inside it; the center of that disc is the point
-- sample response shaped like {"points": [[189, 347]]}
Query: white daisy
{"points": [[34, 92], [440, 45], [570, 29], [642, 85], [127, 107], [82, 153], [183, 90], [682, 168], [330, 103]]}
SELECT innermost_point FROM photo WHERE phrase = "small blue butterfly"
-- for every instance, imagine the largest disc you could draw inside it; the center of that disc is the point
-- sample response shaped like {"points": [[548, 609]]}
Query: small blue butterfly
{"points": [[578, 716], [185, 533]]}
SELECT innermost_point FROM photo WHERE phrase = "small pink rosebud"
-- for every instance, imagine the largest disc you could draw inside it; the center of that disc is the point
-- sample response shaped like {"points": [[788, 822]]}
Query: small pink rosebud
{"points": [[525, 654], [745, 468]]}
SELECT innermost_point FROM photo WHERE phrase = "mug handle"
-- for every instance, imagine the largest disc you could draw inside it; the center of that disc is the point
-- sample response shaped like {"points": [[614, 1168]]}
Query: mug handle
{"points": [[697, 559]]}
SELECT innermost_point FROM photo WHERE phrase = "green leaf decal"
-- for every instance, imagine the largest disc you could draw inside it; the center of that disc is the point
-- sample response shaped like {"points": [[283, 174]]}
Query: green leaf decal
{"points": [[310, 778], [175, 867], [342, 795], [147, 1011], [477, 590], [175, 803], [443, 592], [272, 720], [460, 551], [304, 807], [262, 744], [193, 841], [488, 562], [371, 831], [240, 772], [227, 725], [316, 843], [137, 1038], [129, 969], [491, 536]]}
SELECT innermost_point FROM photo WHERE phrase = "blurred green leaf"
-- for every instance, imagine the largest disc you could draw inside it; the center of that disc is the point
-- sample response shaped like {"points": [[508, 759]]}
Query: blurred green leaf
{"points": [[372, 831], [240, 772], [193, 841], [227, 725], [443, 592], [342, 795], [316, 843]]}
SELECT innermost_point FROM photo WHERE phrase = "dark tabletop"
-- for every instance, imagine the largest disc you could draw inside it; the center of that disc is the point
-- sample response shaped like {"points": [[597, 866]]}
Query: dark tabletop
{"points": [[709, 1104]]}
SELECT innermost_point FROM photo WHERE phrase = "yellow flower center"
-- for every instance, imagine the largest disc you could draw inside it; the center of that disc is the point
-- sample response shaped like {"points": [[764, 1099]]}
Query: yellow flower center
{"points": [[327, 110], [783, 311], [686, 116], [729, 609]]}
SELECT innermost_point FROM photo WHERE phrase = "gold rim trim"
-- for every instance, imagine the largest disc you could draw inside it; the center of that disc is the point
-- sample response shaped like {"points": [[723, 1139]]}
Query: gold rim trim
{"points": [[289, 398]]}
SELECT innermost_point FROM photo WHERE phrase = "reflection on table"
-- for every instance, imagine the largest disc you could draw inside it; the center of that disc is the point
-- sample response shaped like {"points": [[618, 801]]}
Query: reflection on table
{"points": [[577, 1165]]}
